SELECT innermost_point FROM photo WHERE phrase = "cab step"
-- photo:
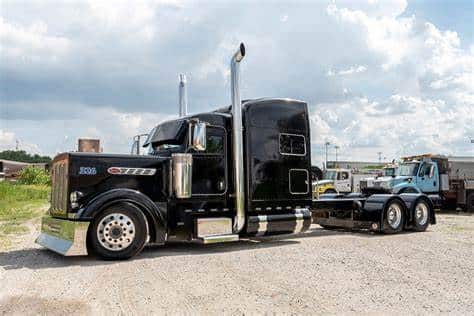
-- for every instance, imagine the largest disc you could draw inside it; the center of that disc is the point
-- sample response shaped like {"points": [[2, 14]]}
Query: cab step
{"points": [[215, 229]]}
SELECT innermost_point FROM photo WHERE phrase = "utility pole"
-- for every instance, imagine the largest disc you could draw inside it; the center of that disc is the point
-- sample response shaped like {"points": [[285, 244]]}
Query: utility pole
{"points": [[380, 156], [337, 147], [17, 145], [326, 144]]}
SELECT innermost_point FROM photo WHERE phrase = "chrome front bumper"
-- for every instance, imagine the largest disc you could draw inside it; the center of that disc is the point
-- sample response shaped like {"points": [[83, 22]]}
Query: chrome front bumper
{"points": [[63, 236]]}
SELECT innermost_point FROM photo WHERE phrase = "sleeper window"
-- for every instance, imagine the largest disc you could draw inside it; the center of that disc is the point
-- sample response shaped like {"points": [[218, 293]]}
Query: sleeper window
{"points": [[291, 144]]}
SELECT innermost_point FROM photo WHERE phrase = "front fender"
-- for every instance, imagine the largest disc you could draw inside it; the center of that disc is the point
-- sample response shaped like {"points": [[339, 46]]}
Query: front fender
{"points": [[399, 187], [156, 214], [376, 204]]}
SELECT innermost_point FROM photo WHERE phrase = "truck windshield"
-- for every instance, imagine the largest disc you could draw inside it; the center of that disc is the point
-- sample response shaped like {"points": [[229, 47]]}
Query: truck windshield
{"points": [[408, 169], [155, 150], [388, 172], [330, 175]]}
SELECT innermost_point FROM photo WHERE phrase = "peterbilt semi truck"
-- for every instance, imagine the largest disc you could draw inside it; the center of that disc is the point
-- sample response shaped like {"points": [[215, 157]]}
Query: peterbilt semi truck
{"points": [[236, 172], [450, 179]]}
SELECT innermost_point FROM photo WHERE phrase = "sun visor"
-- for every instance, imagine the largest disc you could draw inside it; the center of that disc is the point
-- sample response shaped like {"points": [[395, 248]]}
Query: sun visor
{"points": [[167, 132]]}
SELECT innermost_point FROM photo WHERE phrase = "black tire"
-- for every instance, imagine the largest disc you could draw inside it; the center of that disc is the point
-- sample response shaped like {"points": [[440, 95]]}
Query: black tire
{"points": [[470, 202], [330, 191], [125, 221], [394, 217], [421, 216]]}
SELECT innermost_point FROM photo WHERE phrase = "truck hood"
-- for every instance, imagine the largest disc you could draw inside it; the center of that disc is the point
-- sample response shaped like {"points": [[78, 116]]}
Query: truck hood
{"points": [[390, 182], [323, 182], [90, 174]]}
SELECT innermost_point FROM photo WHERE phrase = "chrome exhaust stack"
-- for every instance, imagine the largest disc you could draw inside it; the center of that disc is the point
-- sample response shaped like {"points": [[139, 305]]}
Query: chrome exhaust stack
{"points": [[238, 147], [183, 96]]}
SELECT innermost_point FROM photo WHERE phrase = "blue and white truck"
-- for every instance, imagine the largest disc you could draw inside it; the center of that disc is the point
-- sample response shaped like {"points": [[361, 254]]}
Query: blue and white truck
{"points": [[449, 178]]}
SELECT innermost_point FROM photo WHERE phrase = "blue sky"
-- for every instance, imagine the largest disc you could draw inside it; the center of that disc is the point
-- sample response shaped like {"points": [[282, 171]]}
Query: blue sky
{"points": [[456, 15], [389, 76]]}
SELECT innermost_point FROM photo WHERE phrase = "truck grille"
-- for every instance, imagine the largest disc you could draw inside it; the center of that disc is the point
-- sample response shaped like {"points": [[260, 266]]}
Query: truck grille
{"points": [[59, 188]]}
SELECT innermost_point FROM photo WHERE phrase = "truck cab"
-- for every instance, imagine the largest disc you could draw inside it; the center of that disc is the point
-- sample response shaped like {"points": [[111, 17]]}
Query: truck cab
{"points": [[241, 170], [412, 176]]}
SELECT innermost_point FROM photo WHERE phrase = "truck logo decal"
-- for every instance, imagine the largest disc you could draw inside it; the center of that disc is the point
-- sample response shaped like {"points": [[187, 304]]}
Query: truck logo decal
{"points": [[131, 171], [88, 171]]}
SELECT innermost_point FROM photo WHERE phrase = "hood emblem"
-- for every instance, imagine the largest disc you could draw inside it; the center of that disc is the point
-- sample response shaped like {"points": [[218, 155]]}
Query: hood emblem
{"points": [[131, 171]]}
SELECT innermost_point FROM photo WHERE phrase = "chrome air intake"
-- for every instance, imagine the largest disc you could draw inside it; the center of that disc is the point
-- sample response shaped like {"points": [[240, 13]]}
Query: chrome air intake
{"points": [[182, 166], [183, 97], [238, 150]]}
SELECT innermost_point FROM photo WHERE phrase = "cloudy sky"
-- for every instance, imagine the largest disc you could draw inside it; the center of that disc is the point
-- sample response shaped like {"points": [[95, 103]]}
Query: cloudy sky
{"points": [[394, 77]]}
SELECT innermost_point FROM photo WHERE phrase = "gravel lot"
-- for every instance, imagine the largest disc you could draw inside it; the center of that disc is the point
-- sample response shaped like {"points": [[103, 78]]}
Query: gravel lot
{"points": [[329, 272]]}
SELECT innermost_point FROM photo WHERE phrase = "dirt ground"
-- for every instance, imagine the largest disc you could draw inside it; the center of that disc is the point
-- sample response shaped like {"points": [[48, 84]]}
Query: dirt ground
{"points": [[319, 272]]}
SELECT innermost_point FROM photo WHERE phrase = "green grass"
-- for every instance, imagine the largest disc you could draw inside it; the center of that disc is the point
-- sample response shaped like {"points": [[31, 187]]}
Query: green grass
{"points": [[18, 204]]}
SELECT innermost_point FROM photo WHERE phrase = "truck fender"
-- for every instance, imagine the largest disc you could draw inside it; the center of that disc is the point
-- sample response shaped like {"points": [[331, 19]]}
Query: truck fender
{"points": [[399, 187], [154, 213], [377, 203], [412, 199]]}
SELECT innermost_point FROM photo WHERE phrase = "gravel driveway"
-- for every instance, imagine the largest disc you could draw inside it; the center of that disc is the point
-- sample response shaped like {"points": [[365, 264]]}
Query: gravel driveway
{"points": [[329, 272]]}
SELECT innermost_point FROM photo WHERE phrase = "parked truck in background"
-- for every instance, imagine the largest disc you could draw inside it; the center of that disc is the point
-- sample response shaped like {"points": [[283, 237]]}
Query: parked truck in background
{"points": [[450, 178], [387, 172], [236, 172], [339, 181]]}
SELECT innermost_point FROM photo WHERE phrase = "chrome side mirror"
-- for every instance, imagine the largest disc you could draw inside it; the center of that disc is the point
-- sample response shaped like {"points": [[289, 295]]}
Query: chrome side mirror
{"points": [[198, 135], [432, 170]]}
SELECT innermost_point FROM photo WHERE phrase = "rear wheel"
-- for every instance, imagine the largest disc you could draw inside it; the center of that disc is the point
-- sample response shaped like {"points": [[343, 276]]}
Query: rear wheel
{"points": [[119, 232], [330, 191], [422, 214], [393, 217]]}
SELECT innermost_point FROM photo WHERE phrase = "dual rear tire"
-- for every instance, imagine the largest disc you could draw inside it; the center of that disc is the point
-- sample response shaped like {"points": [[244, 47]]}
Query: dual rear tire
{"points": [[395, 213]]}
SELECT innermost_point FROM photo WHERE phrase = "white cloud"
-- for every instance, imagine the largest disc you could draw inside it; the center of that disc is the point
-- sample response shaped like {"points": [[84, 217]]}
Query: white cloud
{"points": [[349, 71], [31, 44], [375, 79], [7, 139]]}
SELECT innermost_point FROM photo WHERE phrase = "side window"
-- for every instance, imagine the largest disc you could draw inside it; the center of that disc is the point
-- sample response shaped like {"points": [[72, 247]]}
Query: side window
{"points": [[343, 175], [293, 145], [425, 169], [214, 141]]}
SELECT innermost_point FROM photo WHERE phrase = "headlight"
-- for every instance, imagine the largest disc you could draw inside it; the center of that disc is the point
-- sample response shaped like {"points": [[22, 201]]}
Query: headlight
{"points": [[74, 198]]}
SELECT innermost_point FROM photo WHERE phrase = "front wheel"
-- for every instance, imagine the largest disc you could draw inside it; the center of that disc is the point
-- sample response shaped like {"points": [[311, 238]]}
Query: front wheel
{"points": [[118, 233], [393, 217]]}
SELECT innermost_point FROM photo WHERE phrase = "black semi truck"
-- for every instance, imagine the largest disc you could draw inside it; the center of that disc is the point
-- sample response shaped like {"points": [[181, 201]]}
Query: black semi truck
{"points": [[239, 171]]}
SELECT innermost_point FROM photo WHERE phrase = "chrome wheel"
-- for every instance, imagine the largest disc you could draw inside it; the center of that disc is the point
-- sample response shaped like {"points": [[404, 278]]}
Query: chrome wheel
{"points": [[394, 215], [115, 231], [421, 213]]}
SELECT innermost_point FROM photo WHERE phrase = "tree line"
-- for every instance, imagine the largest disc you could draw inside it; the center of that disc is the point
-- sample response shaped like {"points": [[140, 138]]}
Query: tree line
{"points": [[23, 156]]}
